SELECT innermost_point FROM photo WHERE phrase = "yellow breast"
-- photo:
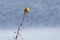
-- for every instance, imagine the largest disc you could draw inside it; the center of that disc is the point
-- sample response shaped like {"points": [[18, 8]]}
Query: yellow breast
{"points": [[27, 10]]}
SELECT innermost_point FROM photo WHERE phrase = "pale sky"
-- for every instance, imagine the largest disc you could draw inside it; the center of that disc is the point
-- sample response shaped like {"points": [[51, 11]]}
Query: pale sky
{"points": [[32, 34]]}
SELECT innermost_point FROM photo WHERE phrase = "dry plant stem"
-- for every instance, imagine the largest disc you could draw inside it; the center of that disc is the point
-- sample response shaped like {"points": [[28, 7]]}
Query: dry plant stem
{"points": [[20, 26]]}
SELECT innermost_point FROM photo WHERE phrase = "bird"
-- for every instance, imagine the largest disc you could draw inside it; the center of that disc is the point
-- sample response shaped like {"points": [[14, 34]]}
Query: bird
{"points": [[26, 10]]}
